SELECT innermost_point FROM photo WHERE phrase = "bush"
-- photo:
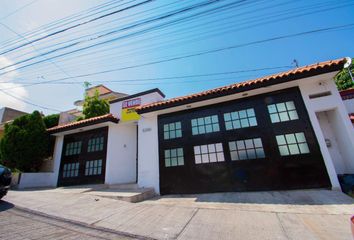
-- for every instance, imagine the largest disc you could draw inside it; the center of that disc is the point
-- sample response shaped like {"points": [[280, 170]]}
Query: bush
{"points": [[343, 79], [94, 106], [51, 120], [25, 143]]}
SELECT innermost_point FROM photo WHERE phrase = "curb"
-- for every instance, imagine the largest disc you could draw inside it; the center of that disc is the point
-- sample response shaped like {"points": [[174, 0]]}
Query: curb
{"points": [[84, 225]]}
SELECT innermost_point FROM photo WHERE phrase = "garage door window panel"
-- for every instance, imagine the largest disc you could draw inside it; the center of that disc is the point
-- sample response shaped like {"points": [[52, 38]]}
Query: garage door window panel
{"points": [[240, 119], [246, 149], [292, 144], [209, 153], [73, 148], [95, 144], [174, 157], [93, 167], [205, 125], [71, 170], [172, 130], [282, 112]]}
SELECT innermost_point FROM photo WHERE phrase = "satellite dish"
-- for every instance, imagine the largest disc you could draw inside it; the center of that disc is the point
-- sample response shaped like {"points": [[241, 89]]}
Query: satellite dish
{"points": [[348, 62]]}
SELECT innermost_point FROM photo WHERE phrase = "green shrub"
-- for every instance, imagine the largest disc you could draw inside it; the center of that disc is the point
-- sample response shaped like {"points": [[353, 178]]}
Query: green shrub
{"points": [[51, 120]]}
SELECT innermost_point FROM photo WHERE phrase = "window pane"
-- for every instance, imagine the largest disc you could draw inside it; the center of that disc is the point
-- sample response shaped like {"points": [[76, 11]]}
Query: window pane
{"points": [[280, 139], [228, 125], [216, 127], [220, 157], [208, 128], [283, 150], [194, 122], [211, 148], [244, 122], [207, 120], [198, 159], [200, 121], [212, 157], [249, 143], [293, 149], [167, 154], [219, 147], [166, 135], [205, 158], [253, 121], [240, 145], [227, 117], [250, 112], [290, 138], [172, 134], [196, 149], [236, 124], [281, 107], [174, 161], [172, 126], [214, 119], [284, 116], [234, 155], [251, 154], [234, 115], [304, 148], [274, 118], [178, 133], [204, 148], [242, 154], [232, 146], [290, 105], [300, 137], [293, 115], [272, 108], [178, 125], [260, 153], [195, 130], [242, 114], [201, 129], [179, 152], [257, 142]]}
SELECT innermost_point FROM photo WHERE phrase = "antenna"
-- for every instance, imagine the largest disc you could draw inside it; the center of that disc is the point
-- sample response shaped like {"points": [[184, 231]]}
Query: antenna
{"points": [[348, 62], [296, 63]]}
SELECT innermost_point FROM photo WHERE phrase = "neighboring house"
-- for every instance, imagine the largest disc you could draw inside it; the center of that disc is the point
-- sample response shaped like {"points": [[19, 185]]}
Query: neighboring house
{"points": [[348, 99], [7, 115], [285, 131], [104, 93]]}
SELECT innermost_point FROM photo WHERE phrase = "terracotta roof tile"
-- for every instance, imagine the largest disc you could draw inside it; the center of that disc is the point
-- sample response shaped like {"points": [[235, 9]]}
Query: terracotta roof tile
{"points": [[294, 74], [86, 122]]}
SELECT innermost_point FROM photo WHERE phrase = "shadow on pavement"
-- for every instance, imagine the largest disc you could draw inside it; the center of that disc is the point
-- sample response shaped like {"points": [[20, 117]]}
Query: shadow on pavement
{"points": [[4, 206]]}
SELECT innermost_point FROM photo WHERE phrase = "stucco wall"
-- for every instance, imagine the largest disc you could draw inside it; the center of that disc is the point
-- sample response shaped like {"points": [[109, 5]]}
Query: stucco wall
{"points": [[121, 154], [148, 168], [34, 180], [349, 105]]}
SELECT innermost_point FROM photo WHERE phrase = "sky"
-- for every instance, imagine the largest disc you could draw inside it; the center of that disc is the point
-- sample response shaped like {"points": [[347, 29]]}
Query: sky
{"points": [[166, 44]]}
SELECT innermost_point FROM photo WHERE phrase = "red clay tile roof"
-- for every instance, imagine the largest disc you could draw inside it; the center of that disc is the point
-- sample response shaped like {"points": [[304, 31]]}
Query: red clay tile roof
{"points": [[347, 94], [83, 123], [294, 74]]}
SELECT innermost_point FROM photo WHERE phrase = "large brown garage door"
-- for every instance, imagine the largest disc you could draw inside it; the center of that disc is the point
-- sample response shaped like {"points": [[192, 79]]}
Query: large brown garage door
{"points": [[84, 158], [264, 142]]}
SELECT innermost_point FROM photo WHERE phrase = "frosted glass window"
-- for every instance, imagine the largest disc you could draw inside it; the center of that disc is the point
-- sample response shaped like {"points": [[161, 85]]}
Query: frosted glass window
{"points": [[292, 144], [282, 112], [70, 170], [73, 148], [209, 153], [205, 125], [240, 119], [95, 144], [93, 167], [246, 149], [172, 130], [174, 157]]}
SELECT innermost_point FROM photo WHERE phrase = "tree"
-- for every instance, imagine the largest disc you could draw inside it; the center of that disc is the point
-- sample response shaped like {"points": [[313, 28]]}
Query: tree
{"points": [[51, 120], [343, 79], [94, 106], [25, 143]]}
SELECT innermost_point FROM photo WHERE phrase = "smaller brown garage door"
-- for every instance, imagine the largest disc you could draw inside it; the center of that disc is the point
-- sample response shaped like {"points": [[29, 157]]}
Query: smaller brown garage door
{"points": [[84, 158]]}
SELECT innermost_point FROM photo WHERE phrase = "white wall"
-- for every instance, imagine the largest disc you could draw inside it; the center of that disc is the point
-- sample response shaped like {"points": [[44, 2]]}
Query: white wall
{"points": [[342, 127], [349, 105], [34, 180], [59, 141], [329, 133], [148, 167], [121, 154]]}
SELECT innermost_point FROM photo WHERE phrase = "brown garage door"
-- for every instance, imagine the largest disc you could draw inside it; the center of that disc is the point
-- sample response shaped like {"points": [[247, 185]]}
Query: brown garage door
{"points": [[84, 158]]}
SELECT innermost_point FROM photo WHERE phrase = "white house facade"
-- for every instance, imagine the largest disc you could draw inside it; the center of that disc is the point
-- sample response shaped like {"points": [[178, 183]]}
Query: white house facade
{"points": [[286, 131]]}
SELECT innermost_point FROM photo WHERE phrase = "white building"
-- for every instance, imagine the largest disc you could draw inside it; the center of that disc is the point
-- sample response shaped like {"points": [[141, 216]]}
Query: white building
{"points": [[285, 131]]}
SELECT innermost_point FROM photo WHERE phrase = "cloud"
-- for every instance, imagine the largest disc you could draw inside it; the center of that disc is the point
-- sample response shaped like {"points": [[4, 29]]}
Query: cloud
{"points": [[6, 81]]}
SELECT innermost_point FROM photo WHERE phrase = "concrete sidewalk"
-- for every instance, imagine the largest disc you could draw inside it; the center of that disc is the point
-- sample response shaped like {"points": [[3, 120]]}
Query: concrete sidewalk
{"points": [[308, 214]]}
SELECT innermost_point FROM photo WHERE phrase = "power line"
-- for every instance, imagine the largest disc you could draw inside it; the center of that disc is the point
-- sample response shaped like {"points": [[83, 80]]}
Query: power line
{"points": [[201, 53], [17, 10], [77, 25]]}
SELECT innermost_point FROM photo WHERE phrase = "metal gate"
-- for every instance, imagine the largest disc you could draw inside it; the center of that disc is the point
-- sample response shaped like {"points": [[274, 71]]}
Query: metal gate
{"points": [[83, 158], [265, 142]]}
